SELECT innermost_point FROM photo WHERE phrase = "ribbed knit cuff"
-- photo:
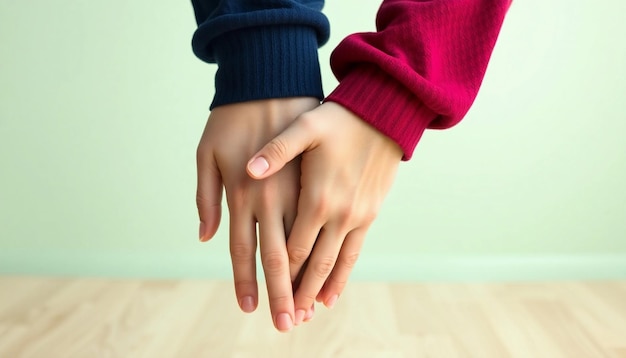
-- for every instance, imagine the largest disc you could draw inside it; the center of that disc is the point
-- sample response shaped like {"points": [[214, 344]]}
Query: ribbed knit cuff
{"points": [[384, 103], [267, 62]]}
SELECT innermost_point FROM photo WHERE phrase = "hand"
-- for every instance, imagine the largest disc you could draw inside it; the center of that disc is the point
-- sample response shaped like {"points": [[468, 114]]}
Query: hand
{"points": [[347, 169], [232, 134]]}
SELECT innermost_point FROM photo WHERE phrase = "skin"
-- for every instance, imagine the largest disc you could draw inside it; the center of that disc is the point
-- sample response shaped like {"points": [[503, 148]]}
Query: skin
{"points": [[233, 133], [347, 168], [319, 179]]}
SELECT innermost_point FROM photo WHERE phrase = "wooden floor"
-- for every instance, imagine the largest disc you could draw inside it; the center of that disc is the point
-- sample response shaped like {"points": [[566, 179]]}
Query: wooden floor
{"points": [[50, 318]]}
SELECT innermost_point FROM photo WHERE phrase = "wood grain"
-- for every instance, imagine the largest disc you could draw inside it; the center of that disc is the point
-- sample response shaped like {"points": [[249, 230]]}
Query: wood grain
{"points": [[55, 317]]}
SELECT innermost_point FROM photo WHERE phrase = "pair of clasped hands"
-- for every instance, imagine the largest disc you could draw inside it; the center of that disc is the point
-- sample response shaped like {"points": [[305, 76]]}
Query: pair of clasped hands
{"points": [[312, 176]]}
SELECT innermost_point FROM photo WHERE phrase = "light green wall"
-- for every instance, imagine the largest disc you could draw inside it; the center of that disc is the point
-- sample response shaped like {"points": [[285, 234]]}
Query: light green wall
{"points": [[102, 104]]}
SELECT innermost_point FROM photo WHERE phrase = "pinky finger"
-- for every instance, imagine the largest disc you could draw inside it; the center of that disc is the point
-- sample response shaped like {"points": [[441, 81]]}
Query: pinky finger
{"points": [[336, 282]]}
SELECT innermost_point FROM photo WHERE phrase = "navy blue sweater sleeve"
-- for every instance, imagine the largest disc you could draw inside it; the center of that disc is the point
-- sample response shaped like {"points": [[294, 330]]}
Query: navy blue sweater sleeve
{"points": [[263, 49]]}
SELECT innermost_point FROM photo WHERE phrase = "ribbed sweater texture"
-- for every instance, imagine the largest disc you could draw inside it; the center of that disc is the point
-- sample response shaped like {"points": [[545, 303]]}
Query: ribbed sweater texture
{"points": [[422, 67]]}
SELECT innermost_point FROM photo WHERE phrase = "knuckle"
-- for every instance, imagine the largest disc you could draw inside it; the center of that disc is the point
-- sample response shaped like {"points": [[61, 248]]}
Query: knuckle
{"points": [[323, 267], [200, 200], [280, 301], [274, 263], [321, 206], [297, 255], [277, 148], [308, 123], [370, 214], [238, 197], [349, 260], [244, 286], [336, 284], [304, 299], [241, 253], [346, 216], [203, 201]]}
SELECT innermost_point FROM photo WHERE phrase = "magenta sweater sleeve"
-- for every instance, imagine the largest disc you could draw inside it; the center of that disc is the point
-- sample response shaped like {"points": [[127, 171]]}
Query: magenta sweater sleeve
{"points": [[421, 69]]}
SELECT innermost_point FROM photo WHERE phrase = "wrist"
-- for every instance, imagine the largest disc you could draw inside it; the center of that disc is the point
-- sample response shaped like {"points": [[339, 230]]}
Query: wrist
{"points": [[385, 104], [263, 118], [377, 140]]}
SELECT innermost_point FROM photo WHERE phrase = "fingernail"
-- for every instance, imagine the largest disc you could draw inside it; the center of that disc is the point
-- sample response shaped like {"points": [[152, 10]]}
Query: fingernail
{"points": [[201, 231], [331, 301], [299, 316], [284, 322], [247, 304], [309, 314], [258, 166]]}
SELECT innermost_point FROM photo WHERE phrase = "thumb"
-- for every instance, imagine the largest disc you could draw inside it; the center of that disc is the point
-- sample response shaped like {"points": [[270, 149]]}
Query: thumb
{"points": [[294, 140], [208, 195]]}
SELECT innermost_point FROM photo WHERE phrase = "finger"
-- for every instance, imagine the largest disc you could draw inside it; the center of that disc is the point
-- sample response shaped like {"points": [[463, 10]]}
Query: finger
{"points": [[320, 265], [289, 219], [336, 282], [304, 233], [309, 314], [299, 246], [295, 282], [208, 194], [294, 140], [301, 315], [243, 257], [276, 267]]}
